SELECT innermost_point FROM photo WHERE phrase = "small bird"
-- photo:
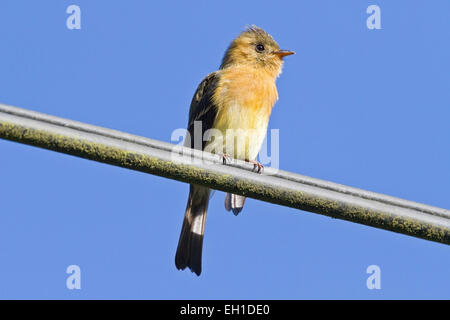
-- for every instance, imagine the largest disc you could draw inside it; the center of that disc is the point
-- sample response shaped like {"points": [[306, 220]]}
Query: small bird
{"points": [[239, 96]]}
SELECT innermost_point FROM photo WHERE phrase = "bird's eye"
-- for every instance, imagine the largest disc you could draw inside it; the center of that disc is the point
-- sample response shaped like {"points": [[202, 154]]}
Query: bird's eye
{"points": [[260, 47]]}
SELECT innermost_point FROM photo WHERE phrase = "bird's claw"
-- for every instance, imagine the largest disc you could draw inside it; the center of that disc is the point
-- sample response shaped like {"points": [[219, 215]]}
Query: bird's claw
{"points": [[257, 165], [225, 158]]}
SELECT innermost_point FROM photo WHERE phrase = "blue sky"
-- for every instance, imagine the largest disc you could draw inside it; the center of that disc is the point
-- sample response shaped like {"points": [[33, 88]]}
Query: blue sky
{"points": [[366, 108]]}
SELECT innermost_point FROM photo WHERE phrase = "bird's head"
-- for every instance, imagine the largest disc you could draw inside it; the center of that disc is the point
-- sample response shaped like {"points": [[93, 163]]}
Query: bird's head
{"points": [[256, 48]]}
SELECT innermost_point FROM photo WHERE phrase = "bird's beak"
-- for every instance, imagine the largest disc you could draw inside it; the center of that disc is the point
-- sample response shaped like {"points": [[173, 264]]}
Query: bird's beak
{"points": [[283, 53]]}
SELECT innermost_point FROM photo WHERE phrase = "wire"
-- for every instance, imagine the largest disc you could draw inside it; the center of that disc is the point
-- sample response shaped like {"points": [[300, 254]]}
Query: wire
{"points": [[193, 166]]}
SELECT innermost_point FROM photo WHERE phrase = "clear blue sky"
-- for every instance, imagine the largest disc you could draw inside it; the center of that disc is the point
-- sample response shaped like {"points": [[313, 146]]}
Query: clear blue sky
{"points": [[366, 108]]}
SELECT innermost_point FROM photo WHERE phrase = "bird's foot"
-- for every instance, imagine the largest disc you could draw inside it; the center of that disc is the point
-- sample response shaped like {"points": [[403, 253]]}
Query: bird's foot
{"points": [[257, 165], [225, 158]]}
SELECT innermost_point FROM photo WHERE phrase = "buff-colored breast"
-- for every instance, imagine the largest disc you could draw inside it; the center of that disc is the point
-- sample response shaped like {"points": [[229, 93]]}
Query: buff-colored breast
{"points": [[244, 99]]}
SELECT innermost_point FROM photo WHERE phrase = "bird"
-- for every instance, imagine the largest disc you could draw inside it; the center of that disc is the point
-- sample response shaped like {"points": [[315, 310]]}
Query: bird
{"points": [[240, 97]]}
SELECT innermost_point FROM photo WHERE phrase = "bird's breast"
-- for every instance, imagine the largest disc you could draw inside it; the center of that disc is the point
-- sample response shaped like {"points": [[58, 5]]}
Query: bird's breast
{"points": [[244, 101]]}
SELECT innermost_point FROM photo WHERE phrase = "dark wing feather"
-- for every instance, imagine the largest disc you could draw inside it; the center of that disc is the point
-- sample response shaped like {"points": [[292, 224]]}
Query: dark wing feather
{"points": [[202, 106]]}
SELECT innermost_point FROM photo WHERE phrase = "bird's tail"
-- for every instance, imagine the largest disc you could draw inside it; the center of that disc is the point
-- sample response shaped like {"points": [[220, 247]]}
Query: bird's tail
{"points": [[189, 251], [234, 203]]}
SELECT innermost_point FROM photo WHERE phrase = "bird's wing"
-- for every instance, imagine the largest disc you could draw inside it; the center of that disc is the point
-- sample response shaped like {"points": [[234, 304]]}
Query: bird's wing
{"points": [[189, 250], [202, 106]]}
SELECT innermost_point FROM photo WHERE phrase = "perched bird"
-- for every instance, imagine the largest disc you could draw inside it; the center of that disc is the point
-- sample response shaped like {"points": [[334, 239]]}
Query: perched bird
{"points": [[239, 96]]}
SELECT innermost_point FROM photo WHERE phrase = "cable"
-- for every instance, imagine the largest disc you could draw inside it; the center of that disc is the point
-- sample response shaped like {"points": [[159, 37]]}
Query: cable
{"points": [[193, 166]]}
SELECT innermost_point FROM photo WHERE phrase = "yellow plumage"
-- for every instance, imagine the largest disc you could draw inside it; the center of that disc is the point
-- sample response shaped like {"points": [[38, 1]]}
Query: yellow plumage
{"points": [[244, 98]]}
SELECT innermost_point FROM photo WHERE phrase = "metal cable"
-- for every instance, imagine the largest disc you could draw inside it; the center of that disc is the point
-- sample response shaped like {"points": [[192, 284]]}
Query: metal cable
{"points": [[276, 186]]}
